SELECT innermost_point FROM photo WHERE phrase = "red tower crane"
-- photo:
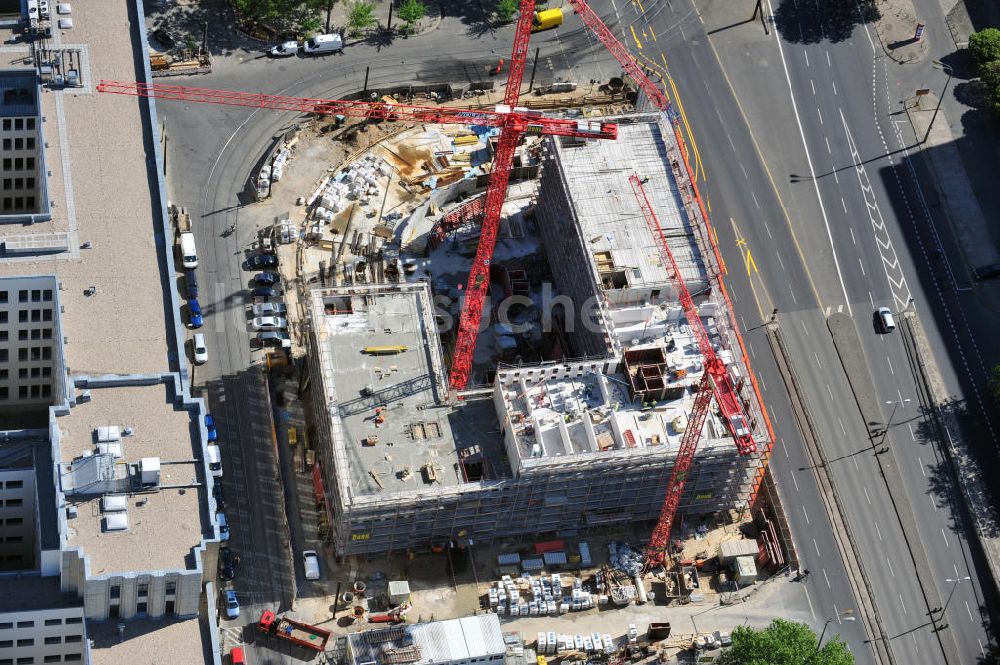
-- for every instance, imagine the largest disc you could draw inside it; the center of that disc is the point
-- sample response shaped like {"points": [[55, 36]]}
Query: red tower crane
{"points": [[513, 122], [715, 381]]}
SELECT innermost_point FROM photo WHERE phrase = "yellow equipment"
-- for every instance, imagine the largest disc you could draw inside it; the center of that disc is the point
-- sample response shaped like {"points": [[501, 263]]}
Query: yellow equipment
{"points": [[547, 18], [383, 350]]}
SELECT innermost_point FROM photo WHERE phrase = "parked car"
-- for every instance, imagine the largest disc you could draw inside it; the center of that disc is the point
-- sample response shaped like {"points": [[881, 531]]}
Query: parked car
{"points": [[270, 323], [213, 434], [200, 350], [261, 261], [165, 38], [220, 517], [274, 339], [284, 50], [263, 293], [191, 284], [237, 657], [227, 564], [195, 319], [267, 278], [232, 605], [269, 309], [310, 563], [218, 493]]}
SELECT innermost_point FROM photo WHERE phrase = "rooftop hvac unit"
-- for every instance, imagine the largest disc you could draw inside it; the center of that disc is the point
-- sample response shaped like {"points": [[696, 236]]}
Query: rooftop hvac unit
{"points": [[111, 448], [116, 522], [149, 470], [114, 503], [109, 433]]}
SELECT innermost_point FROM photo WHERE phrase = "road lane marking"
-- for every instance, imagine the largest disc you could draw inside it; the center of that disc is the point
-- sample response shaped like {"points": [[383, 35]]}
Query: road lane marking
{"points": [[813, 86], [783, 449], [865, 488], [754, 199], [862, 267], [817, 547], [745, 174], [807, 515], [834, 87], [828, 150], [842, 428], [804, 329], [635, 37], [805, 53], [830, 390], [794, 299], [768, 229], [828, 63], [921, 463], [903, 605], [891, 571], [872, 300], [794, 482], [851, 229], [816, 356], [891, 371], [967, 609], [827, 578], [877, 530], [934, 505], [750, 344], [910, 427], [945, 536], [763, 388], [780, 262], [844, 206], [820, 114], [652, 32]]}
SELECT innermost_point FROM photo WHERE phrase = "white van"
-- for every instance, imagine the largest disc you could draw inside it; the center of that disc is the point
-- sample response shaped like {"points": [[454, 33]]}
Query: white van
{"points": [[215, 461], [321, 44], [189, 255]]}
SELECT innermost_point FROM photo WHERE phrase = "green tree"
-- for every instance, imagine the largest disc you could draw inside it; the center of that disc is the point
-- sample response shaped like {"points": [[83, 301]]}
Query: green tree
{"points": [[311, 24], [360, 17], [783, 643], [505, 10], [985, 45], [263, 9], [412, 11]]}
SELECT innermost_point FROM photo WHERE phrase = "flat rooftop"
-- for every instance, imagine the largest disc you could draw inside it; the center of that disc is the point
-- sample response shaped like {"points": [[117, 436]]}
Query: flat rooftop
{"points": [[415, 440], [18, 96], [96, 147], [27, 594], [164, 525], [36, 454], [582, 408], [469, 639], [622, 250], [150, 641]]}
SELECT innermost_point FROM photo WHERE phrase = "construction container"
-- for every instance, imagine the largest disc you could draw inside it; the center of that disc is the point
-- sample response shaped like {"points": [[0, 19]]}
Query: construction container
{"points": [[532, 565], [730, 549], [585, 560], [508, 559], [550, 546], [745, 569], [554, 559]]}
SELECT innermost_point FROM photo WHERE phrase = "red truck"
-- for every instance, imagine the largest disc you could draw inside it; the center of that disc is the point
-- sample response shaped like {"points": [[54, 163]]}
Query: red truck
{"points": [[300, 633]]}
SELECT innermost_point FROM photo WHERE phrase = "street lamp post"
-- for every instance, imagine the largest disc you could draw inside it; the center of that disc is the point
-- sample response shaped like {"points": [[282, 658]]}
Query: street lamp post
{"points": [[843, 616], [954, 586], [895, 405]]}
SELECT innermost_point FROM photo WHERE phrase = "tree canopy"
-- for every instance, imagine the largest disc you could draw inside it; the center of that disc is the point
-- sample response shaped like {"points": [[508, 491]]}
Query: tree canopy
{"points": [[784, 643]]}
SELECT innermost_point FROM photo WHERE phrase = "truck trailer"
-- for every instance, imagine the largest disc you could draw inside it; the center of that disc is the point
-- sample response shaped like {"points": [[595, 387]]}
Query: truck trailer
{"points": [[300, 633]]}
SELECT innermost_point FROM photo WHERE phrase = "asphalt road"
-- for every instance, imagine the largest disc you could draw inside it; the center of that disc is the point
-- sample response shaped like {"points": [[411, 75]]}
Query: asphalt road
{"points": [[748, 214], [850, 244]]}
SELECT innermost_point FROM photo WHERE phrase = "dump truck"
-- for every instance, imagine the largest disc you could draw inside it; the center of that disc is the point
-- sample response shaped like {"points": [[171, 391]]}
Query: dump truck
{"points": [[162, 64], [300, 633]]}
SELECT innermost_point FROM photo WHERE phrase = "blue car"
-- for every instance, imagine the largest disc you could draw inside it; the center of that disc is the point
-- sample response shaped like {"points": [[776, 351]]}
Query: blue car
{"points": [[213, 434], [266, 278], [263, 292], [191, 282], [232, 605], [258, 261], [194, 309]]}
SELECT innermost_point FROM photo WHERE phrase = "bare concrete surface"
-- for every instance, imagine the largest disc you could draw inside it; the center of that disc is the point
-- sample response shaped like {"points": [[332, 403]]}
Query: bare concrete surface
{"points": [[960, 204], [856, 367], [896, 28]]}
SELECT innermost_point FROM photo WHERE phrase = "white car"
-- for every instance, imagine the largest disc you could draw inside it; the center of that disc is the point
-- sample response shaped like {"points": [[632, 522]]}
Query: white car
{"points": [[310, 563], [270, 323], [200, 350], [269, 309], [285, 50]]}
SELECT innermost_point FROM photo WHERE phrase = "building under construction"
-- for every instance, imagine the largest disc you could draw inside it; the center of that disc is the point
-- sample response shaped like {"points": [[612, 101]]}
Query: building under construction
{"points": [[554, 448]]}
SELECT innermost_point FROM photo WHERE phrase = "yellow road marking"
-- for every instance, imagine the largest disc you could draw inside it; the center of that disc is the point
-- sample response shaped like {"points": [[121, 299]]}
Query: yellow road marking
{"points": [[694, 144], [652, 32], [753, 274], [635, 37], [774, 187], [641, 8]]}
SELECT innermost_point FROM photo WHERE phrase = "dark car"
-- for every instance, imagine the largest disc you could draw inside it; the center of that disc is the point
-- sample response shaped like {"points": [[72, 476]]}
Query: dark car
{"points": [[986, 272], [261, 261], [263, 293], [227, 564], [191, 284], [273, 338], [195, 319], [165, 38], [220, 498], [267, 278]]}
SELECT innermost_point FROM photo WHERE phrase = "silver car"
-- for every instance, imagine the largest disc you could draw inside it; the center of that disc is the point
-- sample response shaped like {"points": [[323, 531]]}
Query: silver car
{"points": [[269, 309], [270, 323], [285, 50]]}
